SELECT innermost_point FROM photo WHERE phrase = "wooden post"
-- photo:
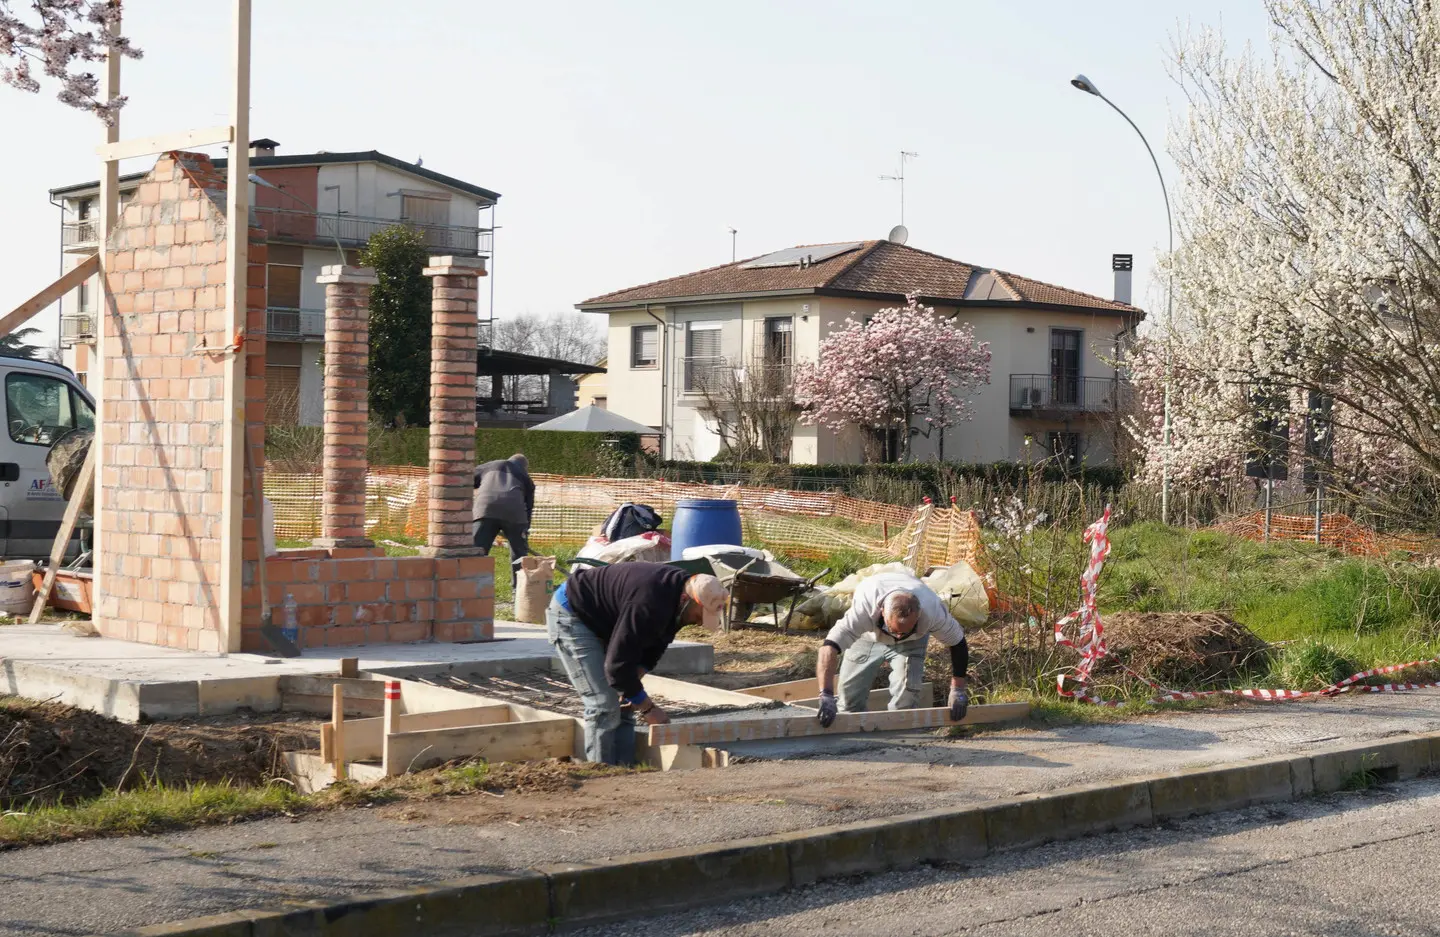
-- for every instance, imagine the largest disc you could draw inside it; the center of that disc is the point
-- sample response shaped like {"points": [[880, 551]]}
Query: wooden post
{"points": [[234, 431], [337, 719], [392, 726], [350, 667], [67, 527]]}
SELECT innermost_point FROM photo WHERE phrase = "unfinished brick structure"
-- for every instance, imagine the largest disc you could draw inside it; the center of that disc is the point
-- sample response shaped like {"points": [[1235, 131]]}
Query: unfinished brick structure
{"points": [[161, 490]]}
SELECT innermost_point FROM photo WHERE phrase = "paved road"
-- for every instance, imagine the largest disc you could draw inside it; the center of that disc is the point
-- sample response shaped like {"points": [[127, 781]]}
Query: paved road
{"points": [[1362, 863]]}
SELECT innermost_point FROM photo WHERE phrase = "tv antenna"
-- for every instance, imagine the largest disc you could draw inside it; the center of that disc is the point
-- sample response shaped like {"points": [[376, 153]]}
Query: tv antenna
{"points": [[900, 178], [733, 232]]}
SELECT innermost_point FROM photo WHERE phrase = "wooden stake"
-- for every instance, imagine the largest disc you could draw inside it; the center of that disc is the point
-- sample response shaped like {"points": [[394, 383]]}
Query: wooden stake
{"points": [[109, 204], [388, 761], [350, 667], [67, 527], [337, 742]]}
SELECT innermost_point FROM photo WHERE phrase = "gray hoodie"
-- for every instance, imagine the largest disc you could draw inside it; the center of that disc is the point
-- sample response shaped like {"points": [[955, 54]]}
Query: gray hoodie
{"points": [[504, 491]]}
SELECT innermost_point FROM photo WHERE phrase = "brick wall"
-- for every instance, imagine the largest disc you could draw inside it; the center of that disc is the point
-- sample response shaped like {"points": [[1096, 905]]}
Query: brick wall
{"points": [[166, 343]]}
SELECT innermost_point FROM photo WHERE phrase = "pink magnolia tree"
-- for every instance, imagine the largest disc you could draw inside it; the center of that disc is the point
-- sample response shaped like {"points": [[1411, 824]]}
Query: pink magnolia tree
{"points": [[906, 363], [57, 37]]}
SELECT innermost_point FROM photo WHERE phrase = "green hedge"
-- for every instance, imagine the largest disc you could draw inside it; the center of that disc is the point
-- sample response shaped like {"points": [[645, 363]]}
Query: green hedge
{"points": [[295, 448], [934, 478]]}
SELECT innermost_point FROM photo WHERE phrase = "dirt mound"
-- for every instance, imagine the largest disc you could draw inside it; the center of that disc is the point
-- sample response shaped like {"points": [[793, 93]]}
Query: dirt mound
{"points": [[1184, 650], [51, 753]]}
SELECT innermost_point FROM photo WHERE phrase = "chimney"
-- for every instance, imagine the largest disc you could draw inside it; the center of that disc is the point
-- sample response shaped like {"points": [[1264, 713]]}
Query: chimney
{"points": [[263, 147], [1121, 264]]}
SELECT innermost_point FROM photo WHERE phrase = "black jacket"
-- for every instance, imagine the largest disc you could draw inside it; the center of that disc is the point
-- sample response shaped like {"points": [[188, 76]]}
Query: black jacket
{"points": [[504, 492], [635, 609]]}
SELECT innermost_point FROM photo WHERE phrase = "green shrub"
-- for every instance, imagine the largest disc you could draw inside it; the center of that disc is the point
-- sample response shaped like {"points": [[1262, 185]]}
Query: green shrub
{"points": [[1311, 665], [298, 449]]}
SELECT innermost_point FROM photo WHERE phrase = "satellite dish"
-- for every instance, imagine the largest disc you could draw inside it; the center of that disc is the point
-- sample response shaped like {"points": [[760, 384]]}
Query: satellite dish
{"points": [[898, 234]]}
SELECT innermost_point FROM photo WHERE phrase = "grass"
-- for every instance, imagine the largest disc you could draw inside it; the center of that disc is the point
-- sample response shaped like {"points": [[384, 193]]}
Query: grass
{"points": [[153, 808]]}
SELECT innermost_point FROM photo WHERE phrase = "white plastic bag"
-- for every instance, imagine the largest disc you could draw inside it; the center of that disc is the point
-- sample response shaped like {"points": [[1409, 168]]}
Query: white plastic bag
{"points": [[963, 592], [651, 547]]}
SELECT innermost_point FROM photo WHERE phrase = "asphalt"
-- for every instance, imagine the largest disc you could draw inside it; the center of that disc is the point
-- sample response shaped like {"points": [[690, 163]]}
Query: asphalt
{"points": [[100, 886], [1358, 863]]}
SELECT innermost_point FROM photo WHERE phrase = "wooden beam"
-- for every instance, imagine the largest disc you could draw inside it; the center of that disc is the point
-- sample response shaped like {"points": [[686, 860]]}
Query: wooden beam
{"points": [[149, 146], [109, 205], [685, 692], [337, 723], [717, 731], [878, 699], [513, 741], [26, 311], [785, 692], [364, 738], [67, 527]]}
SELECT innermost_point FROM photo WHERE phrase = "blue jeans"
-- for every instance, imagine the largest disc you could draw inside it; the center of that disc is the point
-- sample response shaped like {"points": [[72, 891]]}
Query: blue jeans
{"points": [[609, 730], [861, 665]]}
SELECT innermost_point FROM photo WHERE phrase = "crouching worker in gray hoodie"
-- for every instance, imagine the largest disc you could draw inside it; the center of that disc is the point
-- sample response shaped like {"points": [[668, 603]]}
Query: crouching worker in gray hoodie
{"points": [[504, 504]]}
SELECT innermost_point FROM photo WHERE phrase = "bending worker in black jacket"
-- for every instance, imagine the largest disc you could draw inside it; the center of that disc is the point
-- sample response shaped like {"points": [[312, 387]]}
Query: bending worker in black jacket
{"points": [[609, 626]]}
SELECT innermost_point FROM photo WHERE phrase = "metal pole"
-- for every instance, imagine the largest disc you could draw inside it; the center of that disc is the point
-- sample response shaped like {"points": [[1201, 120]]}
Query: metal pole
{"points": [[1319, 506], [1269, 487], [1169, 315]]}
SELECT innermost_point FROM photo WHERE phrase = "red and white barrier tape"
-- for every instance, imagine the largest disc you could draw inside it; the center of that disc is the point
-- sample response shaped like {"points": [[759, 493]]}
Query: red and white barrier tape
{"points": [[1089, 642]]}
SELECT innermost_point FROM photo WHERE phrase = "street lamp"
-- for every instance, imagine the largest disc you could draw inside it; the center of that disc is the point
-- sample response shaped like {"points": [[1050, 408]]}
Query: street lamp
{"points": [[270, 185], [1088, 86]]}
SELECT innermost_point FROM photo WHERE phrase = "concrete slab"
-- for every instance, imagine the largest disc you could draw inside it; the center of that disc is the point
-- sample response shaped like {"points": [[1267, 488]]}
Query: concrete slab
{"points": [[132, 681]]}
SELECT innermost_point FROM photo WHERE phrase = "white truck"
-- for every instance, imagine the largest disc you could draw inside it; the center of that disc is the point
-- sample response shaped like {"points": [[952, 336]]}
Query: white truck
{"points": [[43, 401]]}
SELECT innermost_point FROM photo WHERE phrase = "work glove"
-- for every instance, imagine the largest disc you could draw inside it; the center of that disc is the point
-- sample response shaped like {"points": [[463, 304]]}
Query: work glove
{"points": [[959, 703], [828, 709]]}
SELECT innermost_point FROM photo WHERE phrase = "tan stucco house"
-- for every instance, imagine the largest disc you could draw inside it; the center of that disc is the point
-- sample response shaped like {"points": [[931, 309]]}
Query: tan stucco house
{"points": [[1053, 380]]}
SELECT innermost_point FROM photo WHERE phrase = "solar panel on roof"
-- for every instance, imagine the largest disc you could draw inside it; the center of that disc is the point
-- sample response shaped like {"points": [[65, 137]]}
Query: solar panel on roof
{"points": [[792, 256]]}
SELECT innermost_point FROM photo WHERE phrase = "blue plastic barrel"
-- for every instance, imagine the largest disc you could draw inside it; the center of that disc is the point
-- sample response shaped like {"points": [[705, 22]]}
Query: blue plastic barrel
{"points": [[700, 522]]}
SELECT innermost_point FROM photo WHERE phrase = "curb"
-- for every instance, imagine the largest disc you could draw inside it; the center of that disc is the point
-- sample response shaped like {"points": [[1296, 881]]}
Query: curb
{"points": [[556, 897]]}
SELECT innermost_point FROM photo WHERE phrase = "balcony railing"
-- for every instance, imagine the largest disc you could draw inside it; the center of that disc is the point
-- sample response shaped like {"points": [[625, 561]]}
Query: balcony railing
{"points": [[355, 230], [284, 323], [705, 372], [76, 327], [79, 235], [1048, 394]]}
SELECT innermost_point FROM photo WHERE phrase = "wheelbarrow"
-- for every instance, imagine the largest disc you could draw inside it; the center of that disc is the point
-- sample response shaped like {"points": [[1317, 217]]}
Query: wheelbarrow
{"points": [[751, 581]]}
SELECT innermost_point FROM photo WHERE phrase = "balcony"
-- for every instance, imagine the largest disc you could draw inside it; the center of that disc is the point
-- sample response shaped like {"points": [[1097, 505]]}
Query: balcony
{"points": [[76, 327], [79, 236], [705, 372], [294, 325], [354, 231], [1049, 397]]}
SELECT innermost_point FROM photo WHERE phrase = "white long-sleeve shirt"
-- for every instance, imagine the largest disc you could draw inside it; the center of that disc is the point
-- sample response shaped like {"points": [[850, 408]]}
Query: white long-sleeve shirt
{"points": [[865, 612]]}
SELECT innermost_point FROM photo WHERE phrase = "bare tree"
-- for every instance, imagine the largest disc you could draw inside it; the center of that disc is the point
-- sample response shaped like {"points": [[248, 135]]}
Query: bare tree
{"points": [[752, 405], [59, 35], [566, 336]]}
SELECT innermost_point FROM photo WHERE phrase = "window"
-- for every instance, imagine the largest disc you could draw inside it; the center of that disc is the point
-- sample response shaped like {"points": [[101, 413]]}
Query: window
{"points": [[425, 209], [282, 395], [644, 346], [283, 285], [702, 354], [40, 409], [780, 341], [1065, 448], [600, 402], [1065, 366]]}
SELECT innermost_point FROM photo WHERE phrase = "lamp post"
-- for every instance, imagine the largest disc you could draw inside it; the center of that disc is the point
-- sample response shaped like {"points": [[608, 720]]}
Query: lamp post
{"points": [[1086, 85]]}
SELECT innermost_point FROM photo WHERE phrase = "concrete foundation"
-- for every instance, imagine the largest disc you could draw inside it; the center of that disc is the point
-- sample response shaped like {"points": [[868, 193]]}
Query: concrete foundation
{"points": [[133, 682]]}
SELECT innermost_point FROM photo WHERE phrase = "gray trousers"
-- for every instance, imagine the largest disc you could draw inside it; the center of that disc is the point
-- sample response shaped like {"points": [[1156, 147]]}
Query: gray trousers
{"points": [[861, 665], [609, 730]]}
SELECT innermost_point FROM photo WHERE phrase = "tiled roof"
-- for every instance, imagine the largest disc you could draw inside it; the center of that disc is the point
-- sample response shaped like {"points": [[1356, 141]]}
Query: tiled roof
{"points": [[877, 267]]}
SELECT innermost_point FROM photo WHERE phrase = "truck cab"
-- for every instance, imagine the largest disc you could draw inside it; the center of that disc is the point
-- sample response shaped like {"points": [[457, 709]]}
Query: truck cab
{"points": [[43, 401]]}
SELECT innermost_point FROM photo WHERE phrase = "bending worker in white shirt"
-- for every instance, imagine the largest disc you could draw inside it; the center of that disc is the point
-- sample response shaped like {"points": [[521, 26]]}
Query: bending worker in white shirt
{"points": [[890, 621]]}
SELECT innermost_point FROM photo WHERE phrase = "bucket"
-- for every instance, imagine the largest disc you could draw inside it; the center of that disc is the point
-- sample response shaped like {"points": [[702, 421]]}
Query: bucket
{"points": [[700, 522], [17, 589]]}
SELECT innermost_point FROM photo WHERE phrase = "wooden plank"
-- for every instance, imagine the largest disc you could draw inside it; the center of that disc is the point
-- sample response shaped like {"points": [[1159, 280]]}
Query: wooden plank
{"points": [[364, 738], [684, 692], [512, 741], [165, 142], [784, 692], [327, 742], [337, 724], [350, 667], [26, 311], [717, 731], [83, 481], [878, 700]]}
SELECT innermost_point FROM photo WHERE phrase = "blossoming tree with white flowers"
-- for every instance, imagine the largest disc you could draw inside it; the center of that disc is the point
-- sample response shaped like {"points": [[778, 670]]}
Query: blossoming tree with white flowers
{"points": [[57, 36], [906, 364], [1310, 265]]}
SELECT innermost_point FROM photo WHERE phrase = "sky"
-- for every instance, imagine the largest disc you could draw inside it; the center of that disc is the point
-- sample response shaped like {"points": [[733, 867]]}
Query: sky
{"points": [[627, 138]]}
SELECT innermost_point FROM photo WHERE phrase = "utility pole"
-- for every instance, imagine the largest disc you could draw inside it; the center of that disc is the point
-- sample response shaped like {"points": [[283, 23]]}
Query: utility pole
{"points": [[900, 178]]}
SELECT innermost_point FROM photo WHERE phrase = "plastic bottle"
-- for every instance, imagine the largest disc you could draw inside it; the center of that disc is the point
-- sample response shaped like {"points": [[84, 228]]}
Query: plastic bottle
{"points": [[291, 628]]}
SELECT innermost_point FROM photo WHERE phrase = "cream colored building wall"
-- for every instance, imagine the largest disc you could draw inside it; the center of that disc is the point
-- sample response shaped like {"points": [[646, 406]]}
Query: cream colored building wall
{"points": [[590, 387], [634, 393]]}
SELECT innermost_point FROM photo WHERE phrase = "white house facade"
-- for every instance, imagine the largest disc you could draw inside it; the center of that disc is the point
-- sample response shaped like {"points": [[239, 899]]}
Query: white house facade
{"points": [[1054, 389]]}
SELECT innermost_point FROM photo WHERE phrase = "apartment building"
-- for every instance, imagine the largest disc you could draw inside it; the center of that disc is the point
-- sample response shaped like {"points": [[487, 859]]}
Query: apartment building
{"points": [[315, 208], [1054, 389]]}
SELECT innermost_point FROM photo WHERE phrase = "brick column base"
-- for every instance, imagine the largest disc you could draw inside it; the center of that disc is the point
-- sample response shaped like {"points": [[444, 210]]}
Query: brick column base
{"points": [[453, 346], [347, 404]]}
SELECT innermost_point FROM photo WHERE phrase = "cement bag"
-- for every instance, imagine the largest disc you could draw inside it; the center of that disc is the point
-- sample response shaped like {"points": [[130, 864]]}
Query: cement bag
{"points": [[963, 592], [534, 582], [652, 547]]}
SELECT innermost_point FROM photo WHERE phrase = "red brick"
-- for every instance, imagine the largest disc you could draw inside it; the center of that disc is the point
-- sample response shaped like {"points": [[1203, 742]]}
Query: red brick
{"points": [[365, 591]]}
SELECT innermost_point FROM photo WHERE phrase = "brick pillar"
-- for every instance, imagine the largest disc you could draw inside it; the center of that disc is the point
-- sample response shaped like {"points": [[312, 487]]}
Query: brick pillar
{"points": [[347, 404], [453, 344]]}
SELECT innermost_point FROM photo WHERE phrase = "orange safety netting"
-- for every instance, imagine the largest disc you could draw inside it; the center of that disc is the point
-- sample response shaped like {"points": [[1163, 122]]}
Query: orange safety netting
{"points": [[1339, 531], [567, 510]]}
